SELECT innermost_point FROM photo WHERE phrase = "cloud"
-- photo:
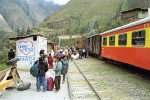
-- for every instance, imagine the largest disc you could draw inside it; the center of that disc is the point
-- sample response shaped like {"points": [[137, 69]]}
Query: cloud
{"points": [[60, 2]]}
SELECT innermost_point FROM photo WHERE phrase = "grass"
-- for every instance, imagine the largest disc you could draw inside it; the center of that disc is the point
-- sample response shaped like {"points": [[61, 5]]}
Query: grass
{"points": [[3, 67]]}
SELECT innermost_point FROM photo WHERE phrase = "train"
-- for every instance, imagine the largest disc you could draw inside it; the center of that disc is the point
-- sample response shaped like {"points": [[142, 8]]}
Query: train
{"points": [[129, 44]]}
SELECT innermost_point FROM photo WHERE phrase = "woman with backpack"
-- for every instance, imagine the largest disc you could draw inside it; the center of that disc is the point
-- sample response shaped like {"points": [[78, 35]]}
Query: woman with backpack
{"points": [[40, 78]]}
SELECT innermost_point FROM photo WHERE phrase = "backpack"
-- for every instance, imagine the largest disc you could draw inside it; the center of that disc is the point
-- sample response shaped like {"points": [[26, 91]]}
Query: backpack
{"points": [[63, 68], [50, 84], [34, 70]]}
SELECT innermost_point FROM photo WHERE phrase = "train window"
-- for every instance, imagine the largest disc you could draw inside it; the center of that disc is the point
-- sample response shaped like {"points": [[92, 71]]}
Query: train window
{"points": [[122, 39], [138, 38], [105, 41], [112, 40]]}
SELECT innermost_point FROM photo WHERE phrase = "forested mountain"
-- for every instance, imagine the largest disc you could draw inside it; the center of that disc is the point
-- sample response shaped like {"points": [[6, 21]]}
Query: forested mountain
{"points": [[24, 13], [88, 16]]}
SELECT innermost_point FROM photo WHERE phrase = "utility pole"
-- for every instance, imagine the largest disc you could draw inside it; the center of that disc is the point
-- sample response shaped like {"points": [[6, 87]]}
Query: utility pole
{"points": [[59, 40]]}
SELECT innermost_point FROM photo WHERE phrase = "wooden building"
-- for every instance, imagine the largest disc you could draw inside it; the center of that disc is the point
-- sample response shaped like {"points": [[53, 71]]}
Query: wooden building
{"points": [[134, 14]]}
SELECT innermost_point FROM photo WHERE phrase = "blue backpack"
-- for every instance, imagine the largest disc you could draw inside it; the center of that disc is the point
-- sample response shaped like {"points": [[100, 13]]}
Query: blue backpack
{"points": [[34, 70]]}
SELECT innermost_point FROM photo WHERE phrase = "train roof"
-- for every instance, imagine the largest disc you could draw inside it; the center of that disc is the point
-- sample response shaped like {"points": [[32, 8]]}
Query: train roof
{"points": [[93, 35], [128, 25]]}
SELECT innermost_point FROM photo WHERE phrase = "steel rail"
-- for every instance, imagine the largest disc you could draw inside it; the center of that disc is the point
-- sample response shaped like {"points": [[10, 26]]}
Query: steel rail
{"points": [[98, 97], [69, 91]]}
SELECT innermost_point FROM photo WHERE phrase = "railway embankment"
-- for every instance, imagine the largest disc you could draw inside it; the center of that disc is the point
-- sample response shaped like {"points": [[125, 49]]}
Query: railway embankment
{"points": [[110, 82]]}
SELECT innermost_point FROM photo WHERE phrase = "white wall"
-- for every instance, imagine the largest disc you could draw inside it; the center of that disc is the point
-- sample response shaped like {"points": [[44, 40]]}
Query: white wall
{"points": [[28, 50]]}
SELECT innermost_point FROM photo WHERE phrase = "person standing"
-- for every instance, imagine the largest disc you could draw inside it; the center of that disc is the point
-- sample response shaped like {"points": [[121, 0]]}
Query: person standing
{"points": [[57, 73], [51, 52], [80, 53], [87, 51], [40, 78], [50, 61], [69, 54], [65, 63], [11, 54]]}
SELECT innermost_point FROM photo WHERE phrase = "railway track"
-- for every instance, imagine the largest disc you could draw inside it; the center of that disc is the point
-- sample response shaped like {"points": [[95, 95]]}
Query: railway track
{"points": [[71, 89]]}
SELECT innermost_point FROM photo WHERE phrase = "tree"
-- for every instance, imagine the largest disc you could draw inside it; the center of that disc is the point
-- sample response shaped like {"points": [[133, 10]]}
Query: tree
{"points": [[23, 31], [28, 32], [18, 31]]}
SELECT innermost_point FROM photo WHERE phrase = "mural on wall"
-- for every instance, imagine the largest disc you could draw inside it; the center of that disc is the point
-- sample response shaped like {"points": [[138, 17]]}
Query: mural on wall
{"points": [[26, 51]]}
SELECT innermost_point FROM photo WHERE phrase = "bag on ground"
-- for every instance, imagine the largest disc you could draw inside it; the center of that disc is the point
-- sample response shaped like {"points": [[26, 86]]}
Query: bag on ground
{"points": [[50, 84], [34, 70], [24, 86]]}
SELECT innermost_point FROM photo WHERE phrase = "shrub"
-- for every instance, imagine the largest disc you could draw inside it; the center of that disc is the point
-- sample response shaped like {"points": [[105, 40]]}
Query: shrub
{"points": [[3, 66], [3, 56]]}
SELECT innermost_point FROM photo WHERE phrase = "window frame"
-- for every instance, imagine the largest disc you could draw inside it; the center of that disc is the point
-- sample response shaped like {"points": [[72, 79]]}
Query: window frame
{"points": [[112, 40], [138, 38], [123, 40], [105, 42]]}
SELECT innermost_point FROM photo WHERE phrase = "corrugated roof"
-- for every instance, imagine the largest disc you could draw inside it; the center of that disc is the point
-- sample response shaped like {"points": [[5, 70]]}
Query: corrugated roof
{"points": [[134, 10], [21, 37]]}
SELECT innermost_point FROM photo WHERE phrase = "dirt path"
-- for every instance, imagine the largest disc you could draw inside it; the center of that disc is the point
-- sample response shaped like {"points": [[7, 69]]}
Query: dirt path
{"points": [[31, 94]]}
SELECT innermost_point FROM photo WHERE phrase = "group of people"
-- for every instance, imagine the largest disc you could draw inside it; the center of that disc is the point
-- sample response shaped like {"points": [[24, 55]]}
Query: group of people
{"points": [[46, 62], [82, 53]]}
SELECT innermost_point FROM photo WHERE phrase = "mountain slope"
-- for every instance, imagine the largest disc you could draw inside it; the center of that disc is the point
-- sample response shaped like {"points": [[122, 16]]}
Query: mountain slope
{"points": [[24, 13], [84, 16], [4, 26]]}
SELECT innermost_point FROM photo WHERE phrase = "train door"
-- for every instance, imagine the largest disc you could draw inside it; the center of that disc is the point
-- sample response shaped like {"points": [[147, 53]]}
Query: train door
{"points": [[94, 45], [100, 46], [91, 44], [97, 44]]}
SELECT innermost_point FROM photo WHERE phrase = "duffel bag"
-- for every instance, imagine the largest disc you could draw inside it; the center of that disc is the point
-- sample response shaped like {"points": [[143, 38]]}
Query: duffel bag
{"points": [[50, 84], [24, 86]]}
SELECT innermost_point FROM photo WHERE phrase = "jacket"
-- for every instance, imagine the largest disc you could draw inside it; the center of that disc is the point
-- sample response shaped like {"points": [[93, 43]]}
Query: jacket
{"points": [[43, 66], [58, 69]]}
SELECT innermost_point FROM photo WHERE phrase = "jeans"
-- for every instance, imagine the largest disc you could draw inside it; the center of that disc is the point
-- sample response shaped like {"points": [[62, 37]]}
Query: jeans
{"points": [[39, 80]]}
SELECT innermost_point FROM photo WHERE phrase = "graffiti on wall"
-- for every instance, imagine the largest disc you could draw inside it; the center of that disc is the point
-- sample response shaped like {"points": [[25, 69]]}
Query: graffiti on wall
{"points": [[26, 51]]}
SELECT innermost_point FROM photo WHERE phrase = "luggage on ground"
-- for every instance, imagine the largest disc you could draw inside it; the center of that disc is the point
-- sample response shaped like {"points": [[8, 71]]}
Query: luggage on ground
{"points": [[50, 84], [24, 86]]}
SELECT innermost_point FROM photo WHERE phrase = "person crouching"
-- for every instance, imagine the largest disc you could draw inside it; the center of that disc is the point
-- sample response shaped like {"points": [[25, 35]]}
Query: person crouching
{"points": [[57, 73], [43, 68]]}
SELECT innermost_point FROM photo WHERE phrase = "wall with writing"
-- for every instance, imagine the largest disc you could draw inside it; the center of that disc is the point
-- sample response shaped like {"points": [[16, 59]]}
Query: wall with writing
{"points": [[27, 50]]}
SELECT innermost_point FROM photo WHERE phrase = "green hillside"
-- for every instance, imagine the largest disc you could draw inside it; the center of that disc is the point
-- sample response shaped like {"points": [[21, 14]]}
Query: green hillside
{"points": [[88, 16]]}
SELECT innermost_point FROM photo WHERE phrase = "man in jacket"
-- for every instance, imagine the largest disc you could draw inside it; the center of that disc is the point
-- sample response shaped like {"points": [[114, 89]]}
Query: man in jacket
{"points": [[43, 68]]}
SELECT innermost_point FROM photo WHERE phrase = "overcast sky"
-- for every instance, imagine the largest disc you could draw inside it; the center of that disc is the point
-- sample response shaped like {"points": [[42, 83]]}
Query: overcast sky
{"points": [[60, 2]]}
